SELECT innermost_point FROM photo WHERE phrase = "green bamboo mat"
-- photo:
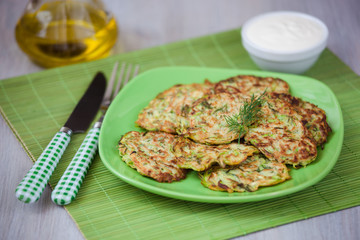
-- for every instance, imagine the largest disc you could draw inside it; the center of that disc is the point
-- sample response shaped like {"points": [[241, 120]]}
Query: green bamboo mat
{"points": [[36, 105]]}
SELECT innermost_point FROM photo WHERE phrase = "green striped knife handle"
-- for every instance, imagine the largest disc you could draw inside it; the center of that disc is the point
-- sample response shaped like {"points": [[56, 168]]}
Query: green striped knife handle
{"points": [[68, 186], [33, 184]]}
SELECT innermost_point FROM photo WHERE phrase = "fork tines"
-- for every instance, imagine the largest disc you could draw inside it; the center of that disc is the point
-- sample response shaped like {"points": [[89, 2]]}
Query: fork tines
{"points": [[109, 94]]}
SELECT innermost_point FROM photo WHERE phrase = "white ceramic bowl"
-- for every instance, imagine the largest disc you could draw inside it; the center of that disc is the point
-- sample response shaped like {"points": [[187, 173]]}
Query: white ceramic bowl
{"points": [[284, 60]]}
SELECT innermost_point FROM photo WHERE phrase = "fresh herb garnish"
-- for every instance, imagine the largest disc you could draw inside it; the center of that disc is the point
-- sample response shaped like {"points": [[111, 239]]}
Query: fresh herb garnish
{"points": [[248, 114]]}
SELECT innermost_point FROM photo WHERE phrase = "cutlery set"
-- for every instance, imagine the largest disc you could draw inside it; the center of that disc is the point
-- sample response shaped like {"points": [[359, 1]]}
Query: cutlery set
{"points": [[33, 184]]}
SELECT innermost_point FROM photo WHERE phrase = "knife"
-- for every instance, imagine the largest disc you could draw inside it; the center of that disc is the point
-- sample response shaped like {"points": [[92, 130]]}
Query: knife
{"points": [[68, 186], [33, 184]]}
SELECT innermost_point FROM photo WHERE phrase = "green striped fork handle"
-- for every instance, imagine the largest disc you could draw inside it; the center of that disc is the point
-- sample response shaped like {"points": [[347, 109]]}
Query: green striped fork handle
{"points": [[33, 184], [68, 186]]}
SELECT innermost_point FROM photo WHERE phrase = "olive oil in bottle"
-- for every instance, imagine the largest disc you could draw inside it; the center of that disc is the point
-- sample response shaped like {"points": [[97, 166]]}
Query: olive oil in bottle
{"points": [[62, 32]]}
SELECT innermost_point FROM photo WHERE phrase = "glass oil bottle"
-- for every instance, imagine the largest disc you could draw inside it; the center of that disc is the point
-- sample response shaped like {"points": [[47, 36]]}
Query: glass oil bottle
{"points": [[61, 32]]}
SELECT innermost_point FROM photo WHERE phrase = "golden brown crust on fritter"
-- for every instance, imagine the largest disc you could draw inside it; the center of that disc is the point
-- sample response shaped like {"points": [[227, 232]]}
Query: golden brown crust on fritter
{"points": [[204, 120], [245, 85], [280, 134], [313, 117], [257, 171], [151, 155], [161, 113], [200, 157]]}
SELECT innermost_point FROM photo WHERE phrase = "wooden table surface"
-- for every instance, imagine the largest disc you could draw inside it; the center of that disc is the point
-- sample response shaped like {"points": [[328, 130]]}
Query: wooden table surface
{"points": [[145, 24]]}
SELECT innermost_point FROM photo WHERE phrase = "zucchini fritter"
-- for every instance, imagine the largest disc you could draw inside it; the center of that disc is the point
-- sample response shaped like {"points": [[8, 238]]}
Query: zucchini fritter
{"points": [[244, 85], [151, 155], [162, 111], [200, 157], [257, 171], [280, 134], [204, 120], [313, 117]]}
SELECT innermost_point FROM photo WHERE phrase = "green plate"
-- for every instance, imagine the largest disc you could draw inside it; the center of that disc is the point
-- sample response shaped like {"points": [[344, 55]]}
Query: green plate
{"points": [[137, 94]]}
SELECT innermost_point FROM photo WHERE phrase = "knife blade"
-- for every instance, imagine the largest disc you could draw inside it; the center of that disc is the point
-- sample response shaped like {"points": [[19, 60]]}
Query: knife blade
{"points": [[33, 184], [88, 106]]}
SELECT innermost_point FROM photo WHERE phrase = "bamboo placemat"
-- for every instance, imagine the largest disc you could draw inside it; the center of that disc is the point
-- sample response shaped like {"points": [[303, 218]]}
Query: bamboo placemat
{"points": [[36, 105]]}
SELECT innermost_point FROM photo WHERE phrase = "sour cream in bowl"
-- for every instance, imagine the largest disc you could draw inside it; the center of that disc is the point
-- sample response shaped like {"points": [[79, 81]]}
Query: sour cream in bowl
{"points": [[284, 41]]}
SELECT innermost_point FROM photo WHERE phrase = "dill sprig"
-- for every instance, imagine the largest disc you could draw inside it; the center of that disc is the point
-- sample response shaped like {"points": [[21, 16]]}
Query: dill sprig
{"points": [[248, 114]]}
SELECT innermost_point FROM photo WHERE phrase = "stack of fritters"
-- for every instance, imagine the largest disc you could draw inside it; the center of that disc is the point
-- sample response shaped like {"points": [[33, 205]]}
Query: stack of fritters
{"points": [[188, 130]]}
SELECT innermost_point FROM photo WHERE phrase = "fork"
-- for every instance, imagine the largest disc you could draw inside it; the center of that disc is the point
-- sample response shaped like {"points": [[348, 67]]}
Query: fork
{"points": [[68, 186]]}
